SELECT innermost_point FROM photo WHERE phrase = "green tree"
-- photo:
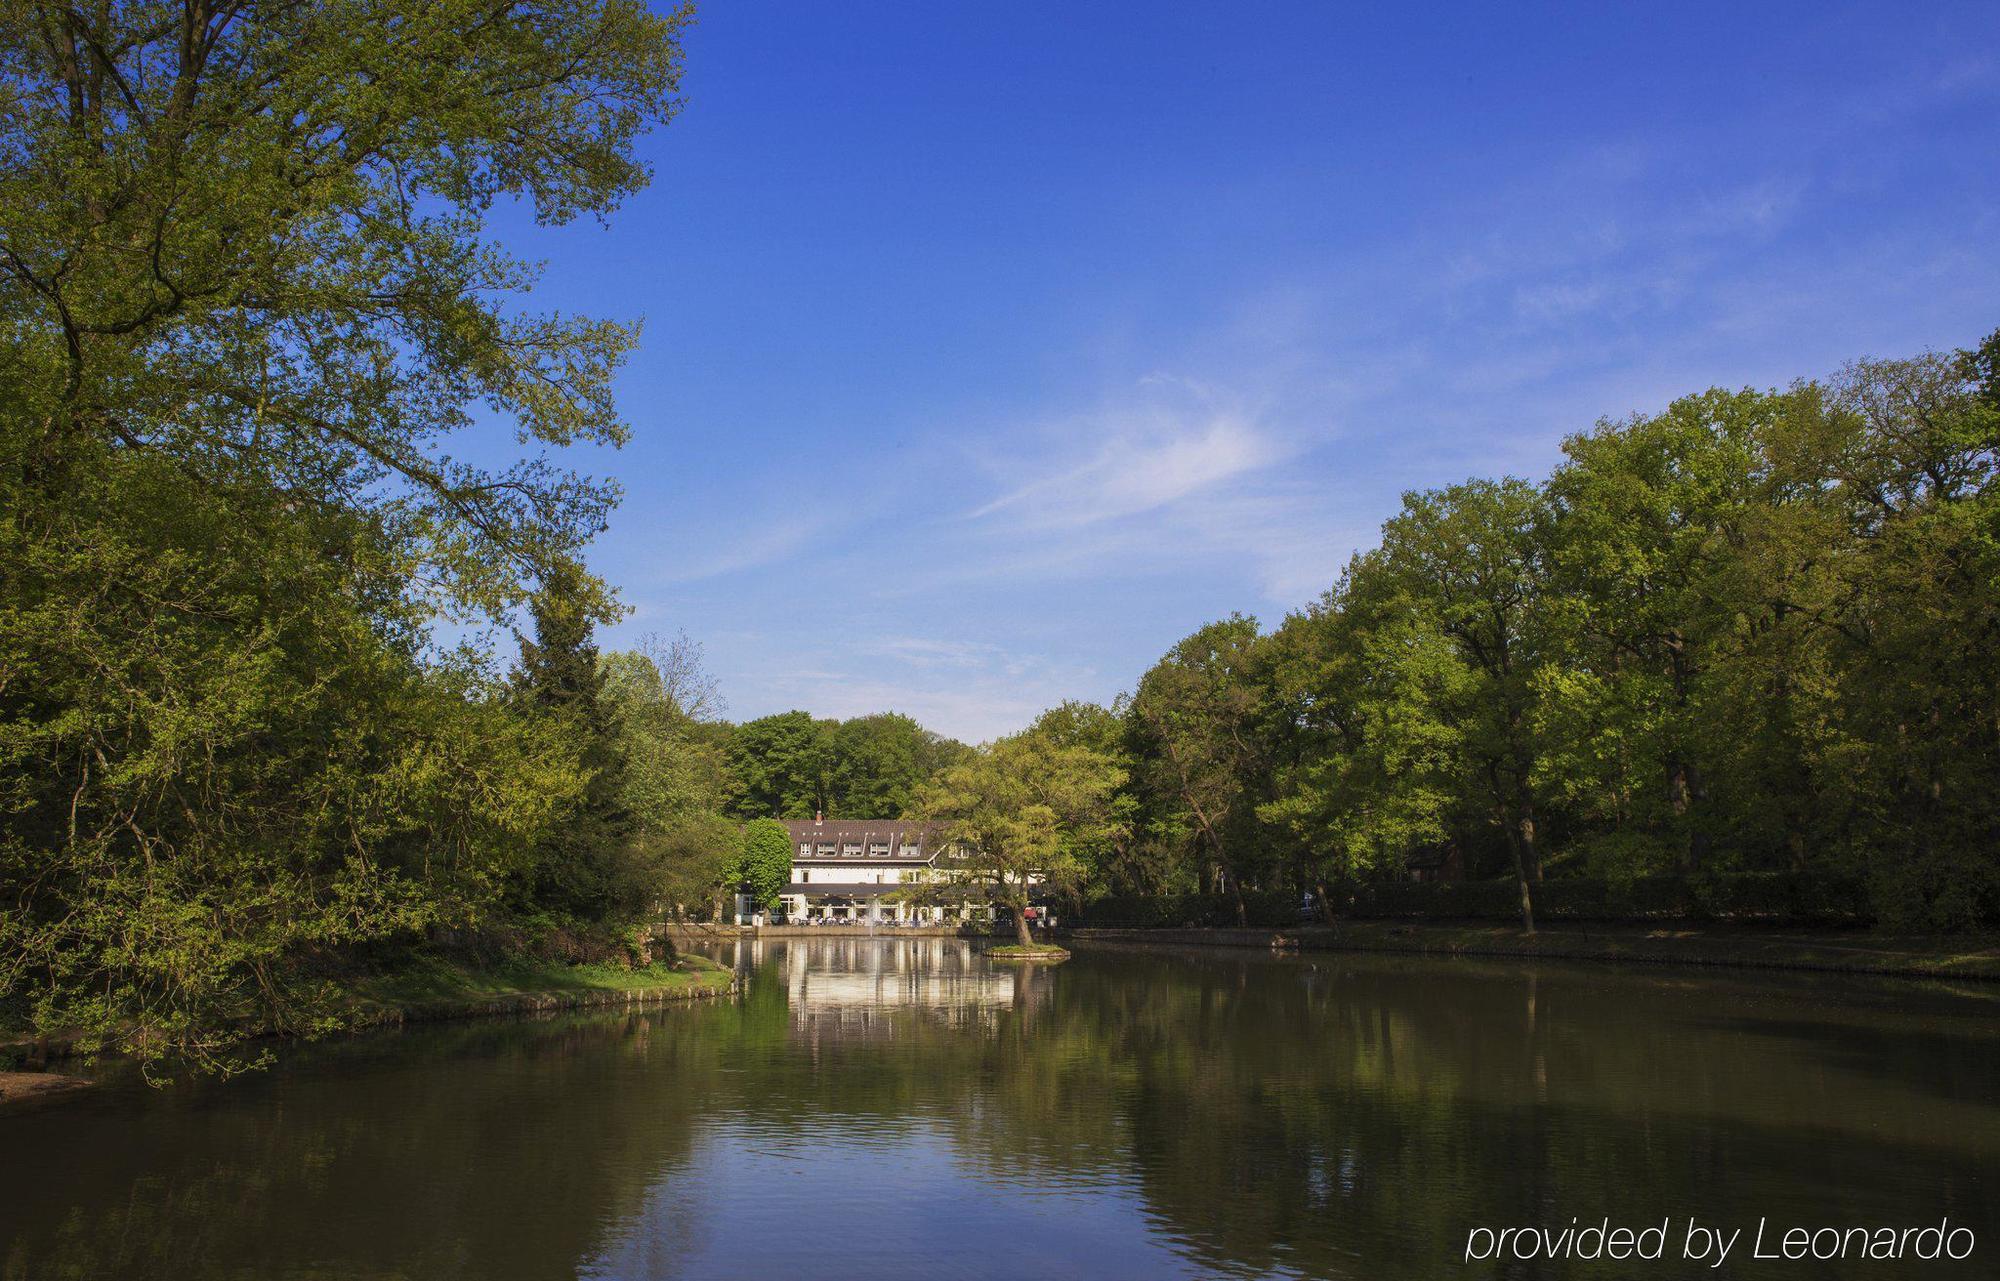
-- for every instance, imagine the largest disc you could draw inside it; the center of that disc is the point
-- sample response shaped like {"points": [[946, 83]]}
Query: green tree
{"points": [[673, 772], [693, 860], [779, 767], [1021, 815], [1197, 752], [1364, 765], [674, 758], [875, 764], [766, 860], [1109, 859], [245, 302], [1915, 634], [1466, 561], [560, 679], [1643, 513]]}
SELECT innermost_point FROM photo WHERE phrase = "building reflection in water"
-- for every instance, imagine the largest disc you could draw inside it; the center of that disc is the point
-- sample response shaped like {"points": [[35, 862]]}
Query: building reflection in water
{"points": [[866, 989]]}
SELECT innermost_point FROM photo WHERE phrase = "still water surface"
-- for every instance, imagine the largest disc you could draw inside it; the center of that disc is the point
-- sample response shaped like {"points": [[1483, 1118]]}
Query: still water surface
{"points": [[906, 1108]]}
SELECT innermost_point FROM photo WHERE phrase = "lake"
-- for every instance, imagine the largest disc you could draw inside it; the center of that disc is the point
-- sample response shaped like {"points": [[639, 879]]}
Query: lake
{"points": [[907, 1108]]}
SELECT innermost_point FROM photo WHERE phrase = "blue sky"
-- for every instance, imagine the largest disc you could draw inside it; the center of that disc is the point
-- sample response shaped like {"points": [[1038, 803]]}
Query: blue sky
{"points": [[989, 349]]}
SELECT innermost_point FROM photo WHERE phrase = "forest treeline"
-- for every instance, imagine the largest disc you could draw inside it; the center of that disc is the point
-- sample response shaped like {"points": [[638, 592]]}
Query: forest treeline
{"points": [[1758, 631]]}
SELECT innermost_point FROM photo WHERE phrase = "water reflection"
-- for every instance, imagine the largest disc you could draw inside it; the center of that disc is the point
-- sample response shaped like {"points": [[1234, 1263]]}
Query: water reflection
{"points": [[864, 988], [903, 1107]]}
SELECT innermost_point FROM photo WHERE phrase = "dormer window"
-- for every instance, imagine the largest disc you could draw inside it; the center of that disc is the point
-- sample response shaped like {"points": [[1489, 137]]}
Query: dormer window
{"points": [[878, 851], [850, 850]]}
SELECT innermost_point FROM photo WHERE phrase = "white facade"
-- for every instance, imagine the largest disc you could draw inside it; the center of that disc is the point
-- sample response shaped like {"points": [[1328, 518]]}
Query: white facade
{"points": [[869, 870]]}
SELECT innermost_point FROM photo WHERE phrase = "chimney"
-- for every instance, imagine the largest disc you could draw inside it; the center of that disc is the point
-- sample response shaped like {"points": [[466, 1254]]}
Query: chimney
{"points": [[818, 818]]}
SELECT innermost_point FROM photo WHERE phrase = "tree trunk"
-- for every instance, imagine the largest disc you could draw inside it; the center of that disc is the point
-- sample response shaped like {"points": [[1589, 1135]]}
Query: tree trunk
{"points": [[1531, 854], [1680, 798], [1325, 903], [1697, 811], [1021, 927], [1521, 875]]}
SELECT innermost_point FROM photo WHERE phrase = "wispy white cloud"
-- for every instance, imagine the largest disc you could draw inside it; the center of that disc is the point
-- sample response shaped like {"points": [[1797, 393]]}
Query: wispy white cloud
{"points": [[1137, 467]]}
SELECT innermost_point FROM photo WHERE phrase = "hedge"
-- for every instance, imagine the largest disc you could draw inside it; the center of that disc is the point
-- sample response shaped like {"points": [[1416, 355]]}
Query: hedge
{"points": [[1778, 898], [1182, 910]]}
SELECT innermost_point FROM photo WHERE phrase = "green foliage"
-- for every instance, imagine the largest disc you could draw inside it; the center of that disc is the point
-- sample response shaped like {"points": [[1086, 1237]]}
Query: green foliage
{"points": [[778, 767], [682, 852], [1363, 755], [580, 869], [766, 862], [875, 764], [1757, 633], [1767, 898], [1026, 813], [1199, 762], [245, 302], [792, 766], [691, 861], [1261, 909]]}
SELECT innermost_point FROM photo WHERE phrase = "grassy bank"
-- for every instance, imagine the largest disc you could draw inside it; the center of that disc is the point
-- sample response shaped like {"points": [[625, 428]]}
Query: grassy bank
{"points": [[1853, 952], [433, 987], [429, 988]]}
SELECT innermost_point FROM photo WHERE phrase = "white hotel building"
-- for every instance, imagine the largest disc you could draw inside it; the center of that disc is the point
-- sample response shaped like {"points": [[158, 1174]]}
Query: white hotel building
{"points": [[856, 870]]}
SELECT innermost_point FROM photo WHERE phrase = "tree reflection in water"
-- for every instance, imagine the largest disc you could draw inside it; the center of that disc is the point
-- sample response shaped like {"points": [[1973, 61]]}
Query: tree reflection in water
{"points": [[880, 1108]]}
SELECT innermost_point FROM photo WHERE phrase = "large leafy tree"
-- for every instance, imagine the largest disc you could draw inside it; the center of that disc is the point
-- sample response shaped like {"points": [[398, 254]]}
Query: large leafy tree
{"points": [[1643, 517], [876, 764], [1022, 815], [245, 303], [682, 851], [1915, 631], [793, 766], [779, 766], [1364, 763], [1193, 717], [1757, 630], [245, 240], [1466, 563], [1109, 857], [662, 702]]}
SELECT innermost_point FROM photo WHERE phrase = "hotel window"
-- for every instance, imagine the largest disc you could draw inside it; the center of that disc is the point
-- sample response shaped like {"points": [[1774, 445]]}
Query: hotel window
{"points": [[878, 851], [805, 847], [850, 849], [826, 849]]}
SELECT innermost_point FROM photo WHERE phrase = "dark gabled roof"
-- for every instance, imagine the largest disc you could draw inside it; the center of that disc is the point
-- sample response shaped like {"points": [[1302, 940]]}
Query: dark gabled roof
{"points": [[904, 837], [851, 829]]}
